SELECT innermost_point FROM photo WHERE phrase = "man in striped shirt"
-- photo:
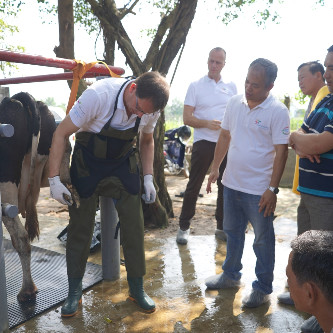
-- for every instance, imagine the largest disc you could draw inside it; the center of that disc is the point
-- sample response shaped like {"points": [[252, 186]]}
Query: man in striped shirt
{"points": [[314, 144]]}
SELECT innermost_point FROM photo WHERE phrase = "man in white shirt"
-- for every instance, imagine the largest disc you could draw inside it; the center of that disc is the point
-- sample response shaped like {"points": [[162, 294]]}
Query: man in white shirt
{"points": [[255, 132], [204, 108], [107, 118]]}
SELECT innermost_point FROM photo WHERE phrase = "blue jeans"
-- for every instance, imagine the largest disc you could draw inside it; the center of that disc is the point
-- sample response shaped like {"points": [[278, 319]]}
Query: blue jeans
{"points": [[239, 208]]}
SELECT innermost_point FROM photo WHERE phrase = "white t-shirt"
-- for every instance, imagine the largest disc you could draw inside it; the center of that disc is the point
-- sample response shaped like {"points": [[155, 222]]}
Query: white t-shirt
{"points": [[209, 98], [95, 106], [253, 136]]}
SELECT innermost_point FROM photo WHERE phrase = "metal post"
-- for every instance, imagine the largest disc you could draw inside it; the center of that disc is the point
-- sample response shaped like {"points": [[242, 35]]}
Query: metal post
{"points": [[4, 324], [54, 62], [110, 246], [11, 211]]}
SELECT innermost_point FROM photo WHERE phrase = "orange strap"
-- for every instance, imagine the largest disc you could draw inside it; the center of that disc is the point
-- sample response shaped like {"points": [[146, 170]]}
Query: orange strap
{"points": [[78, 71]]}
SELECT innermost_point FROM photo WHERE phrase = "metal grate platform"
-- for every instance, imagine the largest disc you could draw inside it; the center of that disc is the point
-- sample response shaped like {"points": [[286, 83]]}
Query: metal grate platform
{"points": [[50, 276]]}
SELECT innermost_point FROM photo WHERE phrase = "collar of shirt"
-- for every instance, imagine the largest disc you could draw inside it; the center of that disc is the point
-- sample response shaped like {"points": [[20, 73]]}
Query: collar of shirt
{"points": [[264, 105], [121, 105], [207, 78]]}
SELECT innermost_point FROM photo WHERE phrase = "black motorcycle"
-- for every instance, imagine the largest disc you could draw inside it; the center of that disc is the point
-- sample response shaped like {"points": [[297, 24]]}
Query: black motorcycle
{"points": [[174, 150]]}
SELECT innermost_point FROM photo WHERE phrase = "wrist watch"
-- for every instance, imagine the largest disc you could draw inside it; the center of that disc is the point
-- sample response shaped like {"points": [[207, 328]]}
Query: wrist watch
{"points": [[275, 190]]}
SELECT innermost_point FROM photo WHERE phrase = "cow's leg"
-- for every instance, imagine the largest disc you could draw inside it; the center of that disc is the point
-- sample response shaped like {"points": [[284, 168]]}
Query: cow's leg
{"points": [[31, 223], [20, 241], [24, 184]]}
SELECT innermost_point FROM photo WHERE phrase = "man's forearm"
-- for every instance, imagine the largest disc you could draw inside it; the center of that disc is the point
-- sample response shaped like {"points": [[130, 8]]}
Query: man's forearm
{"points": [[311, 143], [279, 164], [147, 156], [221, 148], [56, 153]]}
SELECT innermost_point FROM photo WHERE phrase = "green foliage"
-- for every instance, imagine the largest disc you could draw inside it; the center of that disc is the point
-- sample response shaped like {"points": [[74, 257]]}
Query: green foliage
{"points": [[299, 113], [172, 123], [8, 10], [174, 111], [10, 7], [296, 123], [84, 17], [50, 101], [301, 98], [234, 8]]}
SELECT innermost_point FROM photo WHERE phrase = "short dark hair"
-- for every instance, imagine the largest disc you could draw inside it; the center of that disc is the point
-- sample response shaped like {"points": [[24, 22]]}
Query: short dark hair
{"points": [[218, 49], [153, 86], [330, 49], [269, 68], [312, 260], [314, 67]]}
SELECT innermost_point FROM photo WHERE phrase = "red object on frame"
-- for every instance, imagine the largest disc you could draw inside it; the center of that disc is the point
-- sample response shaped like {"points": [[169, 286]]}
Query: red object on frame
{"points": [[67, 64]]}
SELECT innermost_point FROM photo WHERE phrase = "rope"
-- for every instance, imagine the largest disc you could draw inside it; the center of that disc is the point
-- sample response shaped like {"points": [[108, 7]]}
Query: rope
{"points": [[78, 72], [174, 72]]}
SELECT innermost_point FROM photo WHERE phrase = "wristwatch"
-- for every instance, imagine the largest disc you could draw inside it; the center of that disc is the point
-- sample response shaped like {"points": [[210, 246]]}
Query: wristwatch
{"points": [[275, 190]]}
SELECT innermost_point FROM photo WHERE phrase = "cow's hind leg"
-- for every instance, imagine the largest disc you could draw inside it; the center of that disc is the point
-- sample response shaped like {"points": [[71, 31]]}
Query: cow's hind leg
{"points": [[20, 241]]}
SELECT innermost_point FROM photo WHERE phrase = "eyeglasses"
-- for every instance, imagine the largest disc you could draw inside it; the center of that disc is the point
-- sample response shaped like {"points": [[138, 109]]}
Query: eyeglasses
{"points": [[137, 106]]}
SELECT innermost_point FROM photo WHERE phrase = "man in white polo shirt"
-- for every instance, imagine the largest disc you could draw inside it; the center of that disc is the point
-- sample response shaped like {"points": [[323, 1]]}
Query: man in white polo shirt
{"points": [[255, 132], [204, 108]]}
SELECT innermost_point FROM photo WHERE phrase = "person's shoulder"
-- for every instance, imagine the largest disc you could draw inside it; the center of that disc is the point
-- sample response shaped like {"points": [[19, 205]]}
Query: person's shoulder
{"points": [[236, 100], [273, 102], [231, 86], [202, 80], [107, 83]]}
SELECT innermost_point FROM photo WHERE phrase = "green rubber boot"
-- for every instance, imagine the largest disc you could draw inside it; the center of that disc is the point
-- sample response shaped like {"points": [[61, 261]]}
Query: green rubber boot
{"points": [[70, 307], [138, 295]]}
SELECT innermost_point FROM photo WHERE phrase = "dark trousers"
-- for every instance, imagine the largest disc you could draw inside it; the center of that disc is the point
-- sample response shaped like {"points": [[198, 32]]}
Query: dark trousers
{"points": [[81, 227], [201, 159]]}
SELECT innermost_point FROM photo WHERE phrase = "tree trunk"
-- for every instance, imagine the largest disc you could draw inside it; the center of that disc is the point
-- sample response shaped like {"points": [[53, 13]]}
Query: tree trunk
{"points": [[170, 36], [66, 37]]}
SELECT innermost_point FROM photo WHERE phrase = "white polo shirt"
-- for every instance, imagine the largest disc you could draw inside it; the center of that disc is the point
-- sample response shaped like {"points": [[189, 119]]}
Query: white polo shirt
{"points": [[253, 136], [209, 98], [95, 106]]}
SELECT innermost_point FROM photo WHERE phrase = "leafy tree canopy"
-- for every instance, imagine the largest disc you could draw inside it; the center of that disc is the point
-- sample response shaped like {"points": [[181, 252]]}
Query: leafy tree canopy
{"points": [[8, 9]]}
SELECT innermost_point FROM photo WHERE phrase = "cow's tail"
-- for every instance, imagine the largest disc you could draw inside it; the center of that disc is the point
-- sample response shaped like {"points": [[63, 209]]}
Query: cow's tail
{"points": [[31, 222], [33, 115]]}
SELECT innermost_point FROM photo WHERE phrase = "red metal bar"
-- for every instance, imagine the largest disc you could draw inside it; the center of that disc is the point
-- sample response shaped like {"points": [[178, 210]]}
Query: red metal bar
{"points": [[53, 62], [46, 77]]}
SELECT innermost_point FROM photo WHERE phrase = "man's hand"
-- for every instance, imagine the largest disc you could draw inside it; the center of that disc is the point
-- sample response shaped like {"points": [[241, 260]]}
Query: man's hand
{"points": [[312, 158], [214, 125], [268, 203], [214, 174], [59, 192], [150, 193]]}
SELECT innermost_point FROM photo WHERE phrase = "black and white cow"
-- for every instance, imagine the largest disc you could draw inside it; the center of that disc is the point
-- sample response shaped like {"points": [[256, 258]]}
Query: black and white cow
{"points": [[24, 170]]}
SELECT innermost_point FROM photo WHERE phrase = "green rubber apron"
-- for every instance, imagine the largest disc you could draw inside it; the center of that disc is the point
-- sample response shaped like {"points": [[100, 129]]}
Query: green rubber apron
{"points": [[107, 153]]}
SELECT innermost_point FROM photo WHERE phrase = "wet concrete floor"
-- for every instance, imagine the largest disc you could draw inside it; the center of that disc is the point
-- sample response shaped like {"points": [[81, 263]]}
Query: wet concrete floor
{"points": [[175, 280]]}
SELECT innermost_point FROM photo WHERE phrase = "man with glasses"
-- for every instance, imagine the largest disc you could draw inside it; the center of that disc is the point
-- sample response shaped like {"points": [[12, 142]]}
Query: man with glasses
{"points": [[106, 119]]}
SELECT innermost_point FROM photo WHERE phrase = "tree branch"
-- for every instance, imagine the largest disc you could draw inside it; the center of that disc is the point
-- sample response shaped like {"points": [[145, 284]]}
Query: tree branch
{"points": [[111, 22]]}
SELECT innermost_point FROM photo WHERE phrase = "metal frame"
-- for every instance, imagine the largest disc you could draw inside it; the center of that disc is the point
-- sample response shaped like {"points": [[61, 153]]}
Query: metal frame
{"points": [[109, 216]]}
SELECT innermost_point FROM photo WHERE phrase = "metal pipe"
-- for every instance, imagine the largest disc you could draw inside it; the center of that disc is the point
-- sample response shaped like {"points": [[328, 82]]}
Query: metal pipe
{"points": [[4, 323], [6, 130], [9, 210], [46, 77], [53, 62], [110, 246]]}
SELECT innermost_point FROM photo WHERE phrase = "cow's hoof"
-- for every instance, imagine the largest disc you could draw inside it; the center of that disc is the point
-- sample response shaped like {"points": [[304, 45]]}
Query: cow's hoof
{"points": [[75, 196], [27, 296]]}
